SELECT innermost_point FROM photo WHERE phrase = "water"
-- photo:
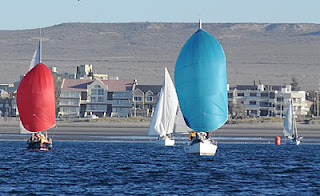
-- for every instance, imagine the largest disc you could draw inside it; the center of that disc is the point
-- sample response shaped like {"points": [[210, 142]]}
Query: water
{"points": [[109, 168]]}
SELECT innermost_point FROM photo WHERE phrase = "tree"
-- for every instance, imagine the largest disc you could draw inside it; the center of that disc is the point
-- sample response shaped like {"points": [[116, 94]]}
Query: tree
{"points": [[237, 110], [295, 84]]}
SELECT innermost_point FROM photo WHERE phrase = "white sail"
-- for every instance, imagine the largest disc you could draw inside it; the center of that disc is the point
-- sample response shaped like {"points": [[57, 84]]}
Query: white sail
{"points": [[289, 124], [36, 59], [22, 129], [164, 115], [180, 126]]}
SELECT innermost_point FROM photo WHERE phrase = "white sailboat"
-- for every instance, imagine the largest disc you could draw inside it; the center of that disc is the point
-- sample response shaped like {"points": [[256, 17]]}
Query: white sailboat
{"points": [[163, 119], [201, 83], [290, 131]]}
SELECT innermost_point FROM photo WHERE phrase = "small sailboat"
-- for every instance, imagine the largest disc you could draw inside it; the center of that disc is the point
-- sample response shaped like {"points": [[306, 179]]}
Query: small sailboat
{"points": [[163, 119], [36, 103], [201, 84], [290, 131]]}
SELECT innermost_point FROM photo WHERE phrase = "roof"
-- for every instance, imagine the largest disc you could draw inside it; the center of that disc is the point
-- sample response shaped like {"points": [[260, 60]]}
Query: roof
{"points": [[145, 88], [255, 87], [81, 84], [246, 87]]}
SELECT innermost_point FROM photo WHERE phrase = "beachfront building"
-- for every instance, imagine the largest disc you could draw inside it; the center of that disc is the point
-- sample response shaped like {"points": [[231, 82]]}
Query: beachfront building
{"points": [[8, 105], [268, 100], [145, 98], [83, 97]]}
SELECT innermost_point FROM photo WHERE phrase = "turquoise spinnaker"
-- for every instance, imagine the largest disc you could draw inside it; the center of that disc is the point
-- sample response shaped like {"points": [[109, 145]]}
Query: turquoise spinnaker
{"points": [[201, 82]]}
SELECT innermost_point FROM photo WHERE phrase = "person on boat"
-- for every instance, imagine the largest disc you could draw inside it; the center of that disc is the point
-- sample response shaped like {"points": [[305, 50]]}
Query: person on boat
{"points": [[192, 135], [35, 136], [196, 138], [207, 135]]}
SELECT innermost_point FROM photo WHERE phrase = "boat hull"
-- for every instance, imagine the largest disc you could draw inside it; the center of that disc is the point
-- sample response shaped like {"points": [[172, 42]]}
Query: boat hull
{"points": [[293, 142], [165, 142], [36, 145], [205, 148]]}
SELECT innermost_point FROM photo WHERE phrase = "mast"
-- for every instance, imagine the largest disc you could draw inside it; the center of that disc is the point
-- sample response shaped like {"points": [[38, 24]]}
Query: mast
{"points": [[40, 46], [165, 98], [200, 24]]}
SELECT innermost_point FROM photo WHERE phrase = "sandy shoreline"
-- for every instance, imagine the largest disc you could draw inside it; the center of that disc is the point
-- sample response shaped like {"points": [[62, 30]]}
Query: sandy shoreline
{"points": [[138, 131]]}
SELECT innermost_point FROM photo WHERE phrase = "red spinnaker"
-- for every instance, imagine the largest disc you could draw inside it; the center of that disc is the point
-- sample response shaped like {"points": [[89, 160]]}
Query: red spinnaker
{"points": [[36, 99]]}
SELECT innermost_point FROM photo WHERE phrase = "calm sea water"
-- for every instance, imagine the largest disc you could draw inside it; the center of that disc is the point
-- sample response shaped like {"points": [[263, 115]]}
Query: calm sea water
{"points": [[102, 168]]}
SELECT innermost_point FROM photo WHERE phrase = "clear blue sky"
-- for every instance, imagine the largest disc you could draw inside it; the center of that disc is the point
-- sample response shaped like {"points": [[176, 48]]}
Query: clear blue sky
{"points": [[28, 14]]}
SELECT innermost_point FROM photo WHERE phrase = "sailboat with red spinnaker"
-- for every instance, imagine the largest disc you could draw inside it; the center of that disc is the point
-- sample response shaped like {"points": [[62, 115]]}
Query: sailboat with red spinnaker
{"points": [[36, 105]]}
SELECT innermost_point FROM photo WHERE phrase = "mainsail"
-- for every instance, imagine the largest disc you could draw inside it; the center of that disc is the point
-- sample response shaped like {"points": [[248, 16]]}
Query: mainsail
{"points": [[201, 82], [180, 126], [288, 123], [164, 115], [37, 56], [36, 100]]}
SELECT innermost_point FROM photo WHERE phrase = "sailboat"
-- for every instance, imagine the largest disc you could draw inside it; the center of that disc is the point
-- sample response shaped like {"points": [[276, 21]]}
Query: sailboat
{"points": [[290, 131], [201, 84], [163, 119], [36, 103]]}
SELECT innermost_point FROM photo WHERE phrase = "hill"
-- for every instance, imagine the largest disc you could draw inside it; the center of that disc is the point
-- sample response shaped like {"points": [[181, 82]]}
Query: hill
{"points": [[271, 53]]}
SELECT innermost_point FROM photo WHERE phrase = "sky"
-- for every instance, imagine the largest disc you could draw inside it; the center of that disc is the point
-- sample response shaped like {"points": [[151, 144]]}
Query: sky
{"points": [[30, 14]]}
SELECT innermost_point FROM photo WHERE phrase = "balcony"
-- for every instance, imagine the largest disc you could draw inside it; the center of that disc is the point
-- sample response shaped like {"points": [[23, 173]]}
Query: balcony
{"points": [[121, 103]]}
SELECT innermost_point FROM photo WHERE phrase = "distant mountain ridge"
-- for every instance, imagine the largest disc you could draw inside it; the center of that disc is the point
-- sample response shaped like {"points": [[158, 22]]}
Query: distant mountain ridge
{"points": [[271, 53]]}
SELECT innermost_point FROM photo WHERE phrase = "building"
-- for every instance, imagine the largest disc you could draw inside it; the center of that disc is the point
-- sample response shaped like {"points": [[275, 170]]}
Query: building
{"points": [[268, 100], [145, 98], [80, 98], [8, 106], [84, 71]]}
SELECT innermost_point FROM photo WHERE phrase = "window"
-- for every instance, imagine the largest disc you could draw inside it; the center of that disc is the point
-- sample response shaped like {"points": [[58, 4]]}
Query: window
{"points": [[97, 90], [110, 95], [253, 94], [137, 99], [280, 99], [272, 95], [254, 112], [230, 95], [240, 94], [149, 99], [83, 95], [264, 94], [252, 102], [69, 102], [97, 107], [264, 104]]}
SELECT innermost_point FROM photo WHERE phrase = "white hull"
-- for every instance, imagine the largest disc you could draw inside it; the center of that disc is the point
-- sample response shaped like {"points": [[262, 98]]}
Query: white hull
{"points": [[293, 142], [165, 142], [206, 148]]}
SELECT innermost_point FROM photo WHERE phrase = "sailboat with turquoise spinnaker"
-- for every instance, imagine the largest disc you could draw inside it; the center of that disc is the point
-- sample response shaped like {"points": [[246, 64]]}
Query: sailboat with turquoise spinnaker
{"points": [[201, 84]]}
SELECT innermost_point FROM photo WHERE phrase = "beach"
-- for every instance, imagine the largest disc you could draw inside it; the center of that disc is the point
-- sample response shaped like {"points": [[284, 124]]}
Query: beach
{"points": [[75, 130]]}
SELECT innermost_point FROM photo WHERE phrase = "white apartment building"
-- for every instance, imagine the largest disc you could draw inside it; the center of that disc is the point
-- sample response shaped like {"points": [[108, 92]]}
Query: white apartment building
{"points": [[268, 100], [80, 98]]}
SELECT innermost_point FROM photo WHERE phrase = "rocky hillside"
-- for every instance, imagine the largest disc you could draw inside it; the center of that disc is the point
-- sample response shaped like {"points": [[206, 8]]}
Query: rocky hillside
{"points": [[271, 53]]}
